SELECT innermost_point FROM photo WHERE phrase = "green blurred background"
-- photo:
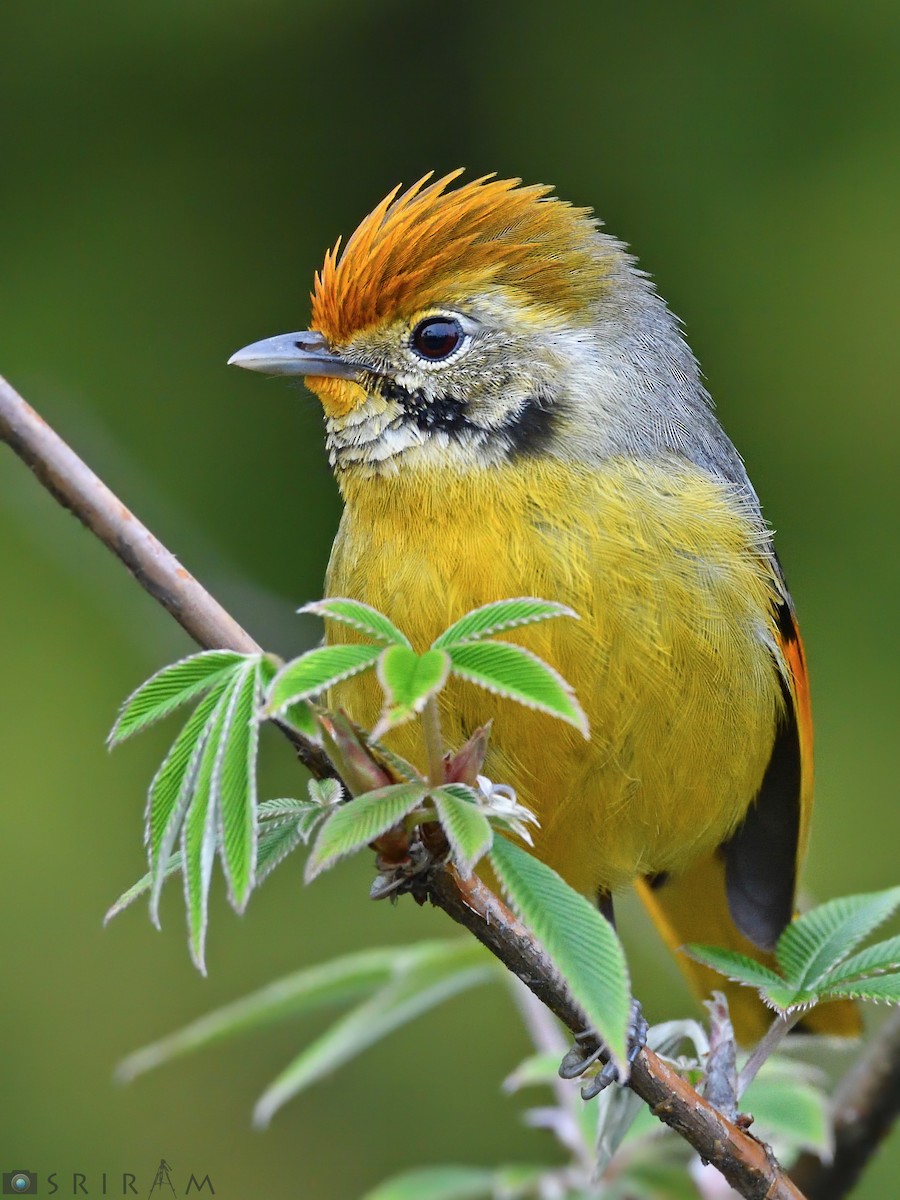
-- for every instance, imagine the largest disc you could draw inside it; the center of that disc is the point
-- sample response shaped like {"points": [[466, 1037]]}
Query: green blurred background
{"points": [[172, 171]]}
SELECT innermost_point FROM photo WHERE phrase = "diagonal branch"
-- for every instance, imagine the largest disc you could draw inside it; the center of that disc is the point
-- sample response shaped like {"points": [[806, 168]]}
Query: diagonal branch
{"points": [[746, 1163]]}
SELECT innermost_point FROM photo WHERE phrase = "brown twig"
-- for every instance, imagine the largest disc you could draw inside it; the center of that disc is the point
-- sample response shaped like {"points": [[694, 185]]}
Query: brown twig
{"points": [[747, 1164], [866, 1105]]}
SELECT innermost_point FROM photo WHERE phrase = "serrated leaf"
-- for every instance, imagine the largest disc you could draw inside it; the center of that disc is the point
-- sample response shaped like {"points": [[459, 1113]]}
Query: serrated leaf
{"points": [[359, 616], [328, 984], [234, 788], [437, 1183], [302, 718], [516, 673], [327, 792], [420, 987], [467, 829], [814, 943], [874, 960], [735, 966], [399, 766], [287, 806], [171, 687], [315, 672], [198, 835], [279, 837], [408, 679], [172, 787], [883, 988], [357, 823], [499, 616], [140, 888], [580, 943]]}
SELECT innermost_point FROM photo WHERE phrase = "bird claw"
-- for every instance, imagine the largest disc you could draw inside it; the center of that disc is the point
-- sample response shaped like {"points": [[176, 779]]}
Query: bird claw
{"points": [[578, 1060]]}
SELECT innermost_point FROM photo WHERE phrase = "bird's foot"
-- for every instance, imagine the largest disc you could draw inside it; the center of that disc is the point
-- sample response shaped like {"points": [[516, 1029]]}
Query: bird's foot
{"points": [[588, 1049]]}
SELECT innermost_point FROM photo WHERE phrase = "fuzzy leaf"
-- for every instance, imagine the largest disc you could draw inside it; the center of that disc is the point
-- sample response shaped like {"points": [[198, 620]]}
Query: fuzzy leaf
{"points": [[302, 717], [438, 1183], [141, 888], [234, 789], [326, 792], [359, 822], [580, 943], [874, 960], [171, 789], [408, 679], [336, 982], [315, 672], [499, 616], [884, 988], [516, 673], [467, 828], [278, 838], [420, 987], [814, 943], [735, 966], [171, 687], [359, 616], [198, 835]]}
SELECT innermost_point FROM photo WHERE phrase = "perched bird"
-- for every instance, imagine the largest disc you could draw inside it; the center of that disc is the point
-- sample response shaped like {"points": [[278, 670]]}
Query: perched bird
{"points": [[511, 410]]}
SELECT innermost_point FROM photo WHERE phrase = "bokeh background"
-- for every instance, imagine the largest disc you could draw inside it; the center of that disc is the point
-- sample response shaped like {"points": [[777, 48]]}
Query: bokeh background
{"points": [[171, 172]]}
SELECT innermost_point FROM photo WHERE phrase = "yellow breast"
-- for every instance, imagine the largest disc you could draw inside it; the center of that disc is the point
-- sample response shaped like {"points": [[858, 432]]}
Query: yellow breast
{"points": [[672, 659]]}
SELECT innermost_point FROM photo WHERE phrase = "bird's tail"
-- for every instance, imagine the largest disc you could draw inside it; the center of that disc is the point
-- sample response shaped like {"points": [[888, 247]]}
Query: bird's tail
{"points": [[693, 907]]}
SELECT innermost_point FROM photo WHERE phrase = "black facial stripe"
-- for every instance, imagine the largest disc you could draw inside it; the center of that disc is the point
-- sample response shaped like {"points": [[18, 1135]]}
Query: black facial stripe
{"points": [[533, 427], [526, 431], [444, 413]]}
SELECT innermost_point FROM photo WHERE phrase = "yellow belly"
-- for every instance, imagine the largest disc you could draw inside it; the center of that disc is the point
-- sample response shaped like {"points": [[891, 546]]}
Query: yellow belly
{"points": [[672, 659]]}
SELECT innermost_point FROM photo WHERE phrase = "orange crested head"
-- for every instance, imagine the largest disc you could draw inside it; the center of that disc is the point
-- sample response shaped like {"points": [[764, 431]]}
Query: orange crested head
{"points": [[436, 245]]}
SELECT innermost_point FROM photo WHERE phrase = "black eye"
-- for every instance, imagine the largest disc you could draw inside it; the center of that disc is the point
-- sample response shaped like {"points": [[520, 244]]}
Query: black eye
{"points": [[436, 337]]}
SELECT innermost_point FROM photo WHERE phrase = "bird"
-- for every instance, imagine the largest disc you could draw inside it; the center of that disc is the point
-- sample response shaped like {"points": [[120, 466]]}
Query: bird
{"points": [[511, 409]]}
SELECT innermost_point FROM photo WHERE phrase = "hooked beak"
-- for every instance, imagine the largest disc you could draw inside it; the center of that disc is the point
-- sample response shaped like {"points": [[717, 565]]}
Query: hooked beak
{"points": [[306, 353]]}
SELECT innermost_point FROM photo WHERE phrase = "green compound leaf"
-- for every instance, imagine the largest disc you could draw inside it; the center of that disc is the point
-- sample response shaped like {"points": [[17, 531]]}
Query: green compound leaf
{"points": [[422, 983], [408, 679], [438, 1183], [874, 960], [359, 616], [171, 687], [234, 787], [580, 943], [141, 888], [198, 834], [325, 791], [302, 718], [172, 787], [499, 616], [516, 673], [816, 942], [326, 985], [279, 837], [467, 829], [278, 819], [737, 967], [884, 988], [355, 824], [315, 672]]}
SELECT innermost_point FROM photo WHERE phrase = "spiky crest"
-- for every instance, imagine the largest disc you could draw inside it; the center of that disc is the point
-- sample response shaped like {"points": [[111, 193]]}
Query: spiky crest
{"points": [[433, 245]]}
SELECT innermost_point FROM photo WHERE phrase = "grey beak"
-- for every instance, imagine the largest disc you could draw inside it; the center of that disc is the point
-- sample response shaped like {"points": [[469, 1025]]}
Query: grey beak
{"points": [[305, 353]]}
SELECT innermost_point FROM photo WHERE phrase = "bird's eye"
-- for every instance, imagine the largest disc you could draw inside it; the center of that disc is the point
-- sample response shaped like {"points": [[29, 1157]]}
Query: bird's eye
{"points": [[436, 337]]}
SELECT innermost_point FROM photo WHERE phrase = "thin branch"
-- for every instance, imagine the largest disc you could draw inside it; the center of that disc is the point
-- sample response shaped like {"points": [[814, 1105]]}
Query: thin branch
{"points": [[866, 1105], [747, 1164], [766, 1047]]}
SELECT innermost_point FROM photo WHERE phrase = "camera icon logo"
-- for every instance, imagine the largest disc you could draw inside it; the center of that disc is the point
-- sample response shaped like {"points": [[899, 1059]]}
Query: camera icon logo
{"points": [[20, 1183]]}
